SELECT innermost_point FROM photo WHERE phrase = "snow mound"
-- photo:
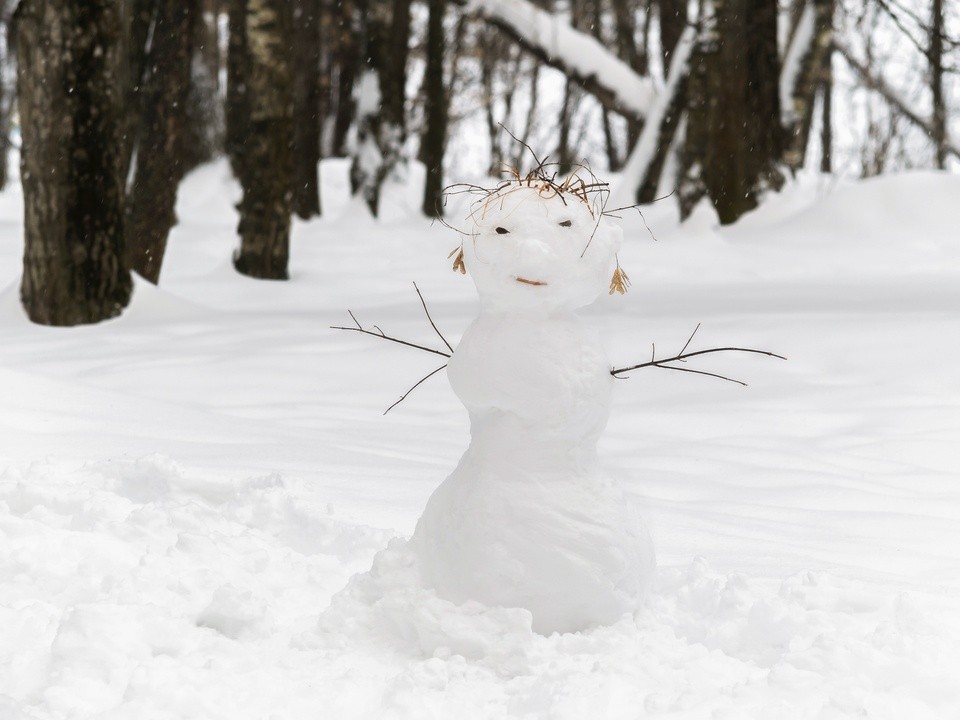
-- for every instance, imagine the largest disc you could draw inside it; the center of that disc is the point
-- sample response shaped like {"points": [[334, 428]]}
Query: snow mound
{"points": [[705, 644], [389, 606]]}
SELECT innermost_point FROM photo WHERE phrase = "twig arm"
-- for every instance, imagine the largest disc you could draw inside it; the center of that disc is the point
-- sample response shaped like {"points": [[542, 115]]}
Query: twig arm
{"points": [[430, 319], [391, 339], [415, 386], [684, 356]]}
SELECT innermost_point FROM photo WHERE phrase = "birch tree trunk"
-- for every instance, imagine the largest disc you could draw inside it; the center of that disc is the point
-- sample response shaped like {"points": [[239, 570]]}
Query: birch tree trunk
{"points": [[266, 157], [809, 79], [74, 269]]}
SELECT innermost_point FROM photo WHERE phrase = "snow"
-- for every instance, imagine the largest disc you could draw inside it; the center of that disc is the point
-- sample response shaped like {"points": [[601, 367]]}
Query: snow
{"points": [[187, 491]]}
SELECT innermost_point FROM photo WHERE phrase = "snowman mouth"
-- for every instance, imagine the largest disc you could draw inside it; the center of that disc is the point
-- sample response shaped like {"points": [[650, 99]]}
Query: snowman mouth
{"points": [[529, 282]]}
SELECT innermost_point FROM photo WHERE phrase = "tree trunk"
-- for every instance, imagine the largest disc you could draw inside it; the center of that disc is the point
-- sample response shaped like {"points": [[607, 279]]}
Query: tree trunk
{"points": [[347, 64], [68, 60], [826, 124], [238, 71], [935, 55], [799, 117], [137, 20], [734, 134], [266, 157], [435, 136], [306, 94], [159, 165]]}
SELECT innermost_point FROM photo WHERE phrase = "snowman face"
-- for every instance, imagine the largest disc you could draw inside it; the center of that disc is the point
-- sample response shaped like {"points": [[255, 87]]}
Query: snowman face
{"points": [[539, 251]]}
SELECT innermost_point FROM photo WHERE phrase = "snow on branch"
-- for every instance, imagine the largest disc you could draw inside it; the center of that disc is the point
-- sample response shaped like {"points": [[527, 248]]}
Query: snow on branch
{"points": [[576, 54], [876, 82]]}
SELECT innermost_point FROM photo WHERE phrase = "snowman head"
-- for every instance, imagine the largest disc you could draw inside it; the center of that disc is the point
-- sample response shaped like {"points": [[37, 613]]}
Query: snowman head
{"points": [[537, 246]]}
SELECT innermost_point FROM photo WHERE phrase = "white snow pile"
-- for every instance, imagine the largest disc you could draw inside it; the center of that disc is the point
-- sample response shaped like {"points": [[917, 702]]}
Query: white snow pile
{"points": [[203, 513]]}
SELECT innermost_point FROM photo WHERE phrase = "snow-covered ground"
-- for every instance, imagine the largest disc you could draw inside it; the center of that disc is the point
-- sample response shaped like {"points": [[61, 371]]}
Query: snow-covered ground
{"points": [[185, 491]]}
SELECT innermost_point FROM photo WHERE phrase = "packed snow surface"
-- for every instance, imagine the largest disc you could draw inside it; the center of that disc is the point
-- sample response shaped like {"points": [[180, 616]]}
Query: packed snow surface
{"points": [[192, 496]]}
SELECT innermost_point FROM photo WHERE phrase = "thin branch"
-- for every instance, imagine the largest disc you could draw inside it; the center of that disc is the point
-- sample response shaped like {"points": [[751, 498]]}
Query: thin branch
{"points": [[878, 84], [383, 336], [430, 319], [702, 372], [684, 356], [540, 163], [689, 340], [415, 386]]}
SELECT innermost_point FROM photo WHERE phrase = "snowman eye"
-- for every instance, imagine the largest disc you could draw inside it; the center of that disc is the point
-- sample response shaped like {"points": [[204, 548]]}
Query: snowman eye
{"points": [[566, 223], [502, 231]]}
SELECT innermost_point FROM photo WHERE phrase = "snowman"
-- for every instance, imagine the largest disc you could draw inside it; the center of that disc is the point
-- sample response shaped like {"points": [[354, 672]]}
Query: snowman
{"points": [[528, 518]]}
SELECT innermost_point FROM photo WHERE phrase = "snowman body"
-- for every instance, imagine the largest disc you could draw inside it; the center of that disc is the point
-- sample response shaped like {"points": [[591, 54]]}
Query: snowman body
{"points": [[528, 519]]}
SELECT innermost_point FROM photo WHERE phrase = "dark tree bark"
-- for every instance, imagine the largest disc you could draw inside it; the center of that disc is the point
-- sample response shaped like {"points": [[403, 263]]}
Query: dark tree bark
{"points": [[673, 19], [347, 64], [238, 71], [266, 156], [734, 136], [826, 124], [70, 98], [5, 111], [306, 94], [935, 56], [159, 158], [137, 19], [435, 136]]}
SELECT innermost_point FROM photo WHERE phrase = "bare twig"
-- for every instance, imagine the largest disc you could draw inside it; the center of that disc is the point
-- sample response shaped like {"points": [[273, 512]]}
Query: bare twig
{"points": [[415, 386], [430, 319], [689, 340], [683, 356], [702, 372], [384, 336]]}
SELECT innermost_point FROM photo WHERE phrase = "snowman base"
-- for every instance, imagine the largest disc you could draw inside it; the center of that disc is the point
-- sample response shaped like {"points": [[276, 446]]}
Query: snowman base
{"points": [[570, 550]]}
